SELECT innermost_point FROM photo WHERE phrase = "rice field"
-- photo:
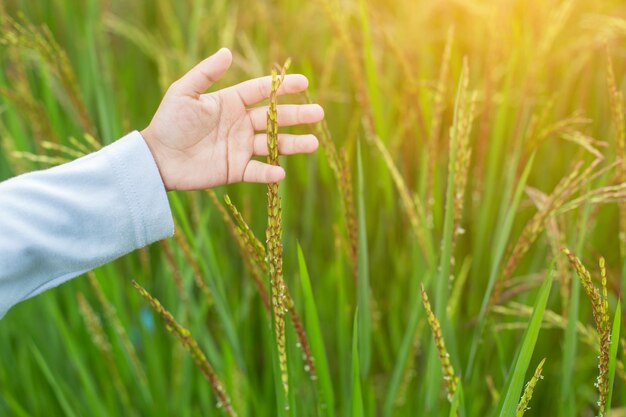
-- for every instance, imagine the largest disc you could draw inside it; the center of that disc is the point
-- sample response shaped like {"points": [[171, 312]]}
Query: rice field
{"points": [[456, 246]]}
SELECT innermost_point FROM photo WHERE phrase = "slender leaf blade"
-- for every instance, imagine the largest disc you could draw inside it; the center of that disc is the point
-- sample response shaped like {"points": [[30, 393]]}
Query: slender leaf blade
{"points": [[517, 377], [314, 331]]}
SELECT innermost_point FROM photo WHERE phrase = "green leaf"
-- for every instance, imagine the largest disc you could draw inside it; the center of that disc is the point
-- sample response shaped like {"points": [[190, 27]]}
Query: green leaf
{"points": [[403, 353], [501, 243], [357, 395], [54, 384], [570, 336], [613, 354], [515, 383], [282, 405], [314, 331], [372, 74], [365, 330], [456, 408]]}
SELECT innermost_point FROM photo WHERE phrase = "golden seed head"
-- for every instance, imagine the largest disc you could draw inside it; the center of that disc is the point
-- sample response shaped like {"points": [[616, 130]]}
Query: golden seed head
{"points": [[186, 339], [444, 357]]}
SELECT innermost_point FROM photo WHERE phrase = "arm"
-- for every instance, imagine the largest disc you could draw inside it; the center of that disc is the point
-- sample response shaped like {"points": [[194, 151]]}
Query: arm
{"points": [[61, 222]]}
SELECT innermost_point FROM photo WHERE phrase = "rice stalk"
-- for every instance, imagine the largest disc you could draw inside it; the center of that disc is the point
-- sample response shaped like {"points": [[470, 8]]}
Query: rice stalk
{"points": [[522, 407], [586, 142], [588, 334], [62, 154], [187, 340], [461, 130], [24, 35], [70, 152], [451, 380], [198, 276], [7, 147], [458, 289], [101, 340], [43, 159], [274, 234], [493, 391], [340, 167], [254, 246], [535, 225], [92, 141], [411, 203], [253, 258], [93, 324], [563, 127], [600, 306], [147, 43], [340, 24], [114, 321], [347, 191], [413, 83], [616, 101], [79, 146], [30, 108], [439, 106], [252, 249], [177, 354], [602, 195], [572, 183], [556, 239], [409, 370], [557, 20], [551, 319], [176, 275]]}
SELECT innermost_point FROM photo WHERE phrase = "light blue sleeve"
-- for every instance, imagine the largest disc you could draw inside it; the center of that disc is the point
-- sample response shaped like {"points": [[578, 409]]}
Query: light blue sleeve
{"points": [[58, 223]]}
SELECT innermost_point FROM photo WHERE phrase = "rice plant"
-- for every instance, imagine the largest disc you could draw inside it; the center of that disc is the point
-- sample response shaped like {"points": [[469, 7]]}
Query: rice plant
{"points": [[465, 144]]}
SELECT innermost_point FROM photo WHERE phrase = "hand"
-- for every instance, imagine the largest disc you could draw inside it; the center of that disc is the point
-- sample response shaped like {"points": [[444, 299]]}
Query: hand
{"points": [[203, 140]]}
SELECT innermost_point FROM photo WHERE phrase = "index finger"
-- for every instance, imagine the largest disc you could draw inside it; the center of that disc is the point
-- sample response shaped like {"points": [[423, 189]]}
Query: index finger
{"points": [[259, 89]]}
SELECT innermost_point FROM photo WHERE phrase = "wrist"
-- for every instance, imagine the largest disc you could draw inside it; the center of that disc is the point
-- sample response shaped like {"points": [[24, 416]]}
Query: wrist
{"points": [[147, 136]]}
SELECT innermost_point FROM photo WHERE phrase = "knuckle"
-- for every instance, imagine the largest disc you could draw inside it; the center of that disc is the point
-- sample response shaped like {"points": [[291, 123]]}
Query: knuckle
{"points": [[173, 88], [299, 114], [264, 90]]}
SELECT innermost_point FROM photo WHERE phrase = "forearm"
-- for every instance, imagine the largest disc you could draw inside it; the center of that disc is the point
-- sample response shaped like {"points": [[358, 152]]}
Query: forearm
{"points": [[58, 223]]}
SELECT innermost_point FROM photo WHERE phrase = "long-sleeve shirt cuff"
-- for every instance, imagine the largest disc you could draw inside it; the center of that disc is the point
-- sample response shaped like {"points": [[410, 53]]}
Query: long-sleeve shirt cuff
{"points": [[60, 222], [142, 186]]}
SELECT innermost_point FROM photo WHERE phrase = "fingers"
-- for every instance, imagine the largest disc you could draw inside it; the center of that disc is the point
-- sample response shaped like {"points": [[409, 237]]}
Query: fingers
{"points": [[204, 74], [254, 91], [287, 144], [257, 171], [288, 115]]}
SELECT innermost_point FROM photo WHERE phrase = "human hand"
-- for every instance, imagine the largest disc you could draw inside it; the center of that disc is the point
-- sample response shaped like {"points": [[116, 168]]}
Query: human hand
{"points": [[203, 140]]}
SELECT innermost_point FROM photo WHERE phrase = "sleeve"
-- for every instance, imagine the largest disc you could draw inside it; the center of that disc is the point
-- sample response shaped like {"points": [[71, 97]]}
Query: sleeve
{"points": [[58, 223]]}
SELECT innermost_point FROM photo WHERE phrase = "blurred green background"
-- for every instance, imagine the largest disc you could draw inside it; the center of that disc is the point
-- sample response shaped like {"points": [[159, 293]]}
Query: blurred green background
{"points": [[78, 75]]}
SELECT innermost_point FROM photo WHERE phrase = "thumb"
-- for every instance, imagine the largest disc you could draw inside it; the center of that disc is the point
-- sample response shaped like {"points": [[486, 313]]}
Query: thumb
{"points": [[204, 74]]}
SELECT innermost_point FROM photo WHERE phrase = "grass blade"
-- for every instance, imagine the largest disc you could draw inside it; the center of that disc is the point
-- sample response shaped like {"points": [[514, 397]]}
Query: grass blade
{"points": [[357, 394], [54, 384], [617, 321], [501, 242], [516, 379], [569, 347], [191, 345], [457, 407], [403, 354], [314, 330], [363, 285]]}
